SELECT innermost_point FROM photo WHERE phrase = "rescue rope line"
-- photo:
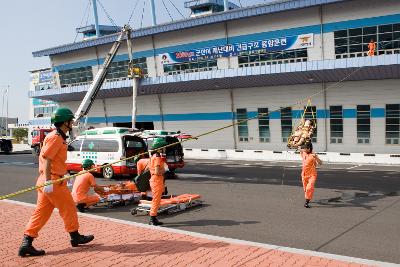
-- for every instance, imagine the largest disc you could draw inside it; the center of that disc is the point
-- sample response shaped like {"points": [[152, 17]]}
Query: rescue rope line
{"points": [[169, 145], [185, 140]]}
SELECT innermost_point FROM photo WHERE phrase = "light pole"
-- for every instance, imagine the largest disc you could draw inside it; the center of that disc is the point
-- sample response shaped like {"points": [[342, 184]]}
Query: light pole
{"points": [[8, 87], [2, 114]]}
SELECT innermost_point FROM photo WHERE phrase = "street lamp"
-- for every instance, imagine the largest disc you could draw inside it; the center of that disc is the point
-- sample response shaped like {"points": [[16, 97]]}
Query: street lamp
{"points": [[8, 88], [2, 114]]}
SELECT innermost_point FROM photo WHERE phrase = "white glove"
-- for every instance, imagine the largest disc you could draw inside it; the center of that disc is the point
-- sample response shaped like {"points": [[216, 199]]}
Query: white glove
{"points": [[48, 188]]}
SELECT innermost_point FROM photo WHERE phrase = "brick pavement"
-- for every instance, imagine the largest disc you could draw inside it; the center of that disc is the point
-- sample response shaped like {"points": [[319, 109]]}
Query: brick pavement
{"points": [[119, 243]]}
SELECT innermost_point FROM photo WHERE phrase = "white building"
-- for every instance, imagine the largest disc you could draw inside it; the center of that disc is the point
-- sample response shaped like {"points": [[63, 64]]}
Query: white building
{"points": [[204, 72]]}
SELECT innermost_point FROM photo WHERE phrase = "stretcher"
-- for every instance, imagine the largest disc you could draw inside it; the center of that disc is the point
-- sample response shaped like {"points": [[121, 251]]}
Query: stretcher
{"points": [[169, 205], [120, 194]]}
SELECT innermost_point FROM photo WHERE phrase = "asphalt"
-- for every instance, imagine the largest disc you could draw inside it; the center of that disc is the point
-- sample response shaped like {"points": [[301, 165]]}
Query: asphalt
{"points": [[355, 211]]}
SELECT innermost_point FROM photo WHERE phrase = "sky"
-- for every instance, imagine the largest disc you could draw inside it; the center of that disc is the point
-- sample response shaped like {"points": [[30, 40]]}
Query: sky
{"points": [[28, 26]]}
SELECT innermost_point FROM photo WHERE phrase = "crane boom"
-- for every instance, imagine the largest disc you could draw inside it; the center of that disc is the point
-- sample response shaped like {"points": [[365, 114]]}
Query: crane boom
{"points": [[94, 89]]}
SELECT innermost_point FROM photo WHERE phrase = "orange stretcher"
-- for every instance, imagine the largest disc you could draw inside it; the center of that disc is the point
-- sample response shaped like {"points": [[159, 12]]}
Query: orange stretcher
{"points": [[170, 204]]}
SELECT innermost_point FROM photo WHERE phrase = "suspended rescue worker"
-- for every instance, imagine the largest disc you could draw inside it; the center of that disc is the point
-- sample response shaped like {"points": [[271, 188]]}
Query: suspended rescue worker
{"points": [[309, 171], [52, 166], [371, 48], [157, 170], [82, 185]]}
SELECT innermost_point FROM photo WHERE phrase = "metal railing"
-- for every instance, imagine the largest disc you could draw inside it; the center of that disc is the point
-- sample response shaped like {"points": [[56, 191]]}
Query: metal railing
{"points": [[273, 62]]}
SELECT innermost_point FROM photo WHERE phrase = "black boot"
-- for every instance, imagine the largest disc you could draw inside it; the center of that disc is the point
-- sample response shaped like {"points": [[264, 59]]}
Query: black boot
{"points": [[306, 205], [81, 207], [165, 191], [155, 221], [78, 239], [27, 249]]}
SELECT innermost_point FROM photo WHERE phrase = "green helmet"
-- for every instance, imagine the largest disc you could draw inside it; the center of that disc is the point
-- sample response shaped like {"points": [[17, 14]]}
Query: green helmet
{"points": [[61, 115], [87, 163], [159, 142]]}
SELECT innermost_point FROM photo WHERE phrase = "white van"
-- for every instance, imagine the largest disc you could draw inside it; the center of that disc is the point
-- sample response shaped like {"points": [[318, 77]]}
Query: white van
{"points": [[104, 146]]}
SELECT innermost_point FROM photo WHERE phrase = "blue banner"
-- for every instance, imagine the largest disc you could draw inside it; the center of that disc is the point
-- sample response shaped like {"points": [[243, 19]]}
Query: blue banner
{"points": [[45, 76], [269, 45]]}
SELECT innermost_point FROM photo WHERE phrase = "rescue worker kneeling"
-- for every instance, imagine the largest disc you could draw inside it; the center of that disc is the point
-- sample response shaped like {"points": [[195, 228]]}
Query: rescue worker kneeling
{"points": [[81, 187], [157, 170], [52, 167]]}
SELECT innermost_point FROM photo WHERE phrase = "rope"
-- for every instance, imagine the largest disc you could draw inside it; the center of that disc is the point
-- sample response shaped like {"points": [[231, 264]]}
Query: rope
{"points": [[185, 140], [84, 15], [134, 8], [108, 15], [177, 9], [141, 21], [169, 14]]}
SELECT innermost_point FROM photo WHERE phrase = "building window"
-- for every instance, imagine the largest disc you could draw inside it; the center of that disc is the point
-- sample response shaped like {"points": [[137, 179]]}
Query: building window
{"points": [[286, 123], [187, 67], [74, 76], [119, 69], [363, 124], [39, 112], [262, 57], [263, 125], [393, 124], [354, 42], [311, 114], [336, 124], [243, 129]]}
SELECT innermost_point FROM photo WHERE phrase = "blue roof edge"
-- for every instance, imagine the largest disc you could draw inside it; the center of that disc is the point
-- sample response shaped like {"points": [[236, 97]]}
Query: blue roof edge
{"points": [[256, 10]]}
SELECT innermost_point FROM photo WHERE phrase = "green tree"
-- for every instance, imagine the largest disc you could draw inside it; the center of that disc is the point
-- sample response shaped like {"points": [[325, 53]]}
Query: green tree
{"points": [[20, 133]]}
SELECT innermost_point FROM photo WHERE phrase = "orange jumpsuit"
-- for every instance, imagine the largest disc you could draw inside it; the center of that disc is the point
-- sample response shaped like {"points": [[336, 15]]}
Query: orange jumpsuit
{"points": [[55, 149], [371, 49], [81, 188], [156, 183], [309, 174]]}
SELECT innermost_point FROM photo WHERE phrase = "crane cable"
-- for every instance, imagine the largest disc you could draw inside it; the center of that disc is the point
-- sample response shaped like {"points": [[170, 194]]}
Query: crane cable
{"points": [[85, 14]]}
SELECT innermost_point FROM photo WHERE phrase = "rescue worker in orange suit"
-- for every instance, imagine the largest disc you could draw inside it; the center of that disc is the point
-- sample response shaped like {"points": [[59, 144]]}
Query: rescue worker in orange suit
{"points": [[141, 165], [371, 48], [81, 187], [157, 170], [309, 171], [52, 166]]}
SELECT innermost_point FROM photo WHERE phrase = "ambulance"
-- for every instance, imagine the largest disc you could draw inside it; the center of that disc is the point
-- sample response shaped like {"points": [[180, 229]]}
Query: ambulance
{"points": [[105, 146]]}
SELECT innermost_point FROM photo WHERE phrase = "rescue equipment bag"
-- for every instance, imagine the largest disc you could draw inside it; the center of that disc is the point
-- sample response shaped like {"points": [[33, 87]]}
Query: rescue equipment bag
{"points": [[142, 180]]}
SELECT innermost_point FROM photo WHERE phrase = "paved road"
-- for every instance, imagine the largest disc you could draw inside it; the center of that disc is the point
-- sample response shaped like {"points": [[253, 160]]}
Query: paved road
{"points": [[356, 210]]}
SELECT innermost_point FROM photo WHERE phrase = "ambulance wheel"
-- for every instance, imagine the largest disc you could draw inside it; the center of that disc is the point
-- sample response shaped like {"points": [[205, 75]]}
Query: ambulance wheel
{"points": [[108, 172], [133, 211]]}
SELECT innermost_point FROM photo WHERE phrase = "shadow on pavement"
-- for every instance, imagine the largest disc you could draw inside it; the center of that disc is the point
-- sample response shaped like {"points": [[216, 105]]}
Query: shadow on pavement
{"points": [[354, 199], [144, 247]]}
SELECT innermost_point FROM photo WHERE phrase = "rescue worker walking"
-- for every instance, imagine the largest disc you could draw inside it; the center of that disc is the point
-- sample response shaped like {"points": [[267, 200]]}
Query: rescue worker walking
{"points": [[309, 171], [157, 170], [52, 166], [81, 187]]}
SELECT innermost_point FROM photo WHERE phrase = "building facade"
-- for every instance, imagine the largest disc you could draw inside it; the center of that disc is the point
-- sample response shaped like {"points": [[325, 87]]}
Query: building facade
{"points": [[40, 110], [262, 62]]}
